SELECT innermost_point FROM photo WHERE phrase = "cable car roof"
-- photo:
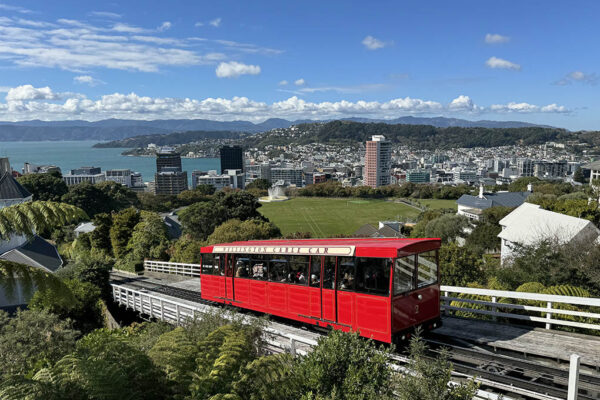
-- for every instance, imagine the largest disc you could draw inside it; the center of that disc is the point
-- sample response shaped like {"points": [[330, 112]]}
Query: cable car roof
{"points": [[346, 247]]}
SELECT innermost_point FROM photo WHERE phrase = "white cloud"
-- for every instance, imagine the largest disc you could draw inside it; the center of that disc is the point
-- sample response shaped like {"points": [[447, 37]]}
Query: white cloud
{"points": [[165, 26], [215, 22], [299, 82], [197, 24], [28, 92], [494, 38], [283, 83], [27, 102], [372, 43], [78, 46], [234, 69], [463, 103], [120, 27], [528, 108], [105, 14], [88, 80], [495, 62], [578, 76], [345, 89], [18, 9]]}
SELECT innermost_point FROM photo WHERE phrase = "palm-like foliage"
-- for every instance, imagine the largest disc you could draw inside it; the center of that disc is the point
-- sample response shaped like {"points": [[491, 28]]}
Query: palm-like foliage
{"points": [[26, 219]]}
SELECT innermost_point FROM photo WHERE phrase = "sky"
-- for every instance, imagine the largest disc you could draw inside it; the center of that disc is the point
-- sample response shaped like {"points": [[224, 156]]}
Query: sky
{"points": [[535, 61]]}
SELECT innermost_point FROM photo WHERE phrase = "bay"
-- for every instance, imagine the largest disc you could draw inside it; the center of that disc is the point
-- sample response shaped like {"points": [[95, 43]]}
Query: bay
{"points": [[74, 154]]}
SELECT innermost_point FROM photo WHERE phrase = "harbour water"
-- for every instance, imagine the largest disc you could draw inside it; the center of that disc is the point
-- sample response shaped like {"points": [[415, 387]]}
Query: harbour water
{"points": [[74, 154]]}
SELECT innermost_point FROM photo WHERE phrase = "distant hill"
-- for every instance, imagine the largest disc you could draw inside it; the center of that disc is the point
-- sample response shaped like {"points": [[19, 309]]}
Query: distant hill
{"points": [[170, 139], [115, 129], [416, 136]]}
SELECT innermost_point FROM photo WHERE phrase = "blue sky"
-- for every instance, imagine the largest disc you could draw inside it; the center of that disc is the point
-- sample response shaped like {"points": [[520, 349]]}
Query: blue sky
{"points": [[506, 60]]}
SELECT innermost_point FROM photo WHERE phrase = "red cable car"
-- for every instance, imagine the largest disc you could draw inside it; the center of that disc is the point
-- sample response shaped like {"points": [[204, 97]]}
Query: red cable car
{"points": [[379, 287]]}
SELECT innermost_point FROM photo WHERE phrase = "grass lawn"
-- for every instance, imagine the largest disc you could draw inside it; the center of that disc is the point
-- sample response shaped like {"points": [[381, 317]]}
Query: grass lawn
{"points": [[435, 203], [325, 217]]}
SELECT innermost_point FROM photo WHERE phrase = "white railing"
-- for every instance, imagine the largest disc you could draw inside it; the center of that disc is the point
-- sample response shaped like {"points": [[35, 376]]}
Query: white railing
{"points": [[581, 312], [179, 313], [167, 267]]}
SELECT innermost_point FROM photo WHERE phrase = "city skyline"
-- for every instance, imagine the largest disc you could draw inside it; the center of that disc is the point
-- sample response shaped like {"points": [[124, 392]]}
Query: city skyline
{"points": [[229, 61]]}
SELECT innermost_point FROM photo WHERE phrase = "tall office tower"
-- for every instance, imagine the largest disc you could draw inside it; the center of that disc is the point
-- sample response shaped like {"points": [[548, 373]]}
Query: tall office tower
{"points": [[232, 157], [167, 157], [169, 179], [378, 161]]}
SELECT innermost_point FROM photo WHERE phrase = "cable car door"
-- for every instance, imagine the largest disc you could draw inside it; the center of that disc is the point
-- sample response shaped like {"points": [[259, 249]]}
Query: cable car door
{"points": [[328, 292], [229, 266]]}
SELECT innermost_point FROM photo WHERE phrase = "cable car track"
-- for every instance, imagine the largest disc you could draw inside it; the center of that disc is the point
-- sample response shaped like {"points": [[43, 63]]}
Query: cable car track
{"points": [[474, 362]]}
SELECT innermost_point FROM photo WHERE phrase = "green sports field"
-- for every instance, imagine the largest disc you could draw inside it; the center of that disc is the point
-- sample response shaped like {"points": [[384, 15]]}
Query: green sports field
{"points": [[325, 217]]}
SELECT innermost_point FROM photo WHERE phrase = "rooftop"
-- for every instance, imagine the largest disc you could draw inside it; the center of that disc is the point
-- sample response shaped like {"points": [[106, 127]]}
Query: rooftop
{"points": [[504, 199], [10, 189]]}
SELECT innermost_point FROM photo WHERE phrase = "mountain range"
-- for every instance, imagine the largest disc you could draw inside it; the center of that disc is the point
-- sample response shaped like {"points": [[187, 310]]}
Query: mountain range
{"points": [[115, 129]]}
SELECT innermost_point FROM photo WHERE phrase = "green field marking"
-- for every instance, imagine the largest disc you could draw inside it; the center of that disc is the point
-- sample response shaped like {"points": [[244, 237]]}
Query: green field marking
{"points": [[326, 217]]}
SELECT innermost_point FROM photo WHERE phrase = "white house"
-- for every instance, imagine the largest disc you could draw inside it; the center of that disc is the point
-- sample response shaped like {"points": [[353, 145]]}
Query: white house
{"points": [[528, 224]]}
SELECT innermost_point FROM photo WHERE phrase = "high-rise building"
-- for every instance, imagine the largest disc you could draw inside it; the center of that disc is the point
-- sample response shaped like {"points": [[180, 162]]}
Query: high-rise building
{"points": [[418, 176], [169, 178], [289, 176], [232, 157], [378, 161], [167, 157], [525, 167]]}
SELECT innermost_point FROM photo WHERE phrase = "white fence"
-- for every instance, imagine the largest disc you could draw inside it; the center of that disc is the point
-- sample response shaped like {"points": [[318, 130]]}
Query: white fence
{"points": [[550, 310], [172, 268]]}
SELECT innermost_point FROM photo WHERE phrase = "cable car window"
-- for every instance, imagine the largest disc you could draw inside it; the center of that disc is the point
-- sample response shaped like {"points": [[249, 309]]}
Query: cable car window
{"points": [[328, 272], [404, 274], [229, 266], [373, 275], [427, 268], [258, 267], [315, 271], [346, 273], [242, 266], [298, 270], [208, 264], [278, 269]]}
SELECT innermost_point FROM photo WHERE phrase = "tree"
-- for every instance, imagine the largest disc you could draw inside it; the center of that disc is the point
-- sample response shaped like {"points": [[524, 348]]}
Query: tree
{"points": [[100, 236], [27, 218], [459, 265], [430, 378], [92, 267], [206, 190], [238, 204], [119, 196], [578, 175], [175, 354], [122, 229], [149, 238], [85, 309], [260, 183], [236, 230], [46, 187], [103, 366], [346, 365], [31, 340], [88, 197], [520, 184], [447, 227], [200, 219], [186, 250]]}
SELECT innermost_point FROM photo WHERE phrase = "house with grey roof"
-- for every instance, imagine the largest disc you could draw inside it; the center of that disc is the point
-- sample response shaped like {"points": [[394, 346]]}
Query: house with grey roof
{"points": [[529, 224], [472, 207], [33, 251], [386, 229]]}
